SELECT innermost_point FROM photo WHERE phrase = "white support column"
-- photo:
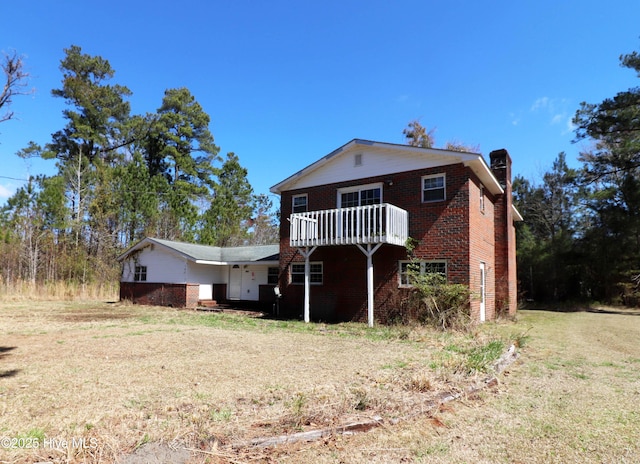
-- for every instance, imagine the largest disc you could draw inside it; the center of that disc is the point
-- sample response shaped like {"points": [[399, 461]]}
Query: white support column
{"points": [[369, 254], [305, 252]]}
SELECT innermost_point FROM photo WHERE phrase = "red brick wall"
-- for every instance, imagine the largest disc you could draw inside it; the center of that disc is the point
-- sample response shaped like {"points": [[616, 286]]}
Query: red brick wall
{"points": [[512, 274], [506, 277], [481, 249], [192, 295], [442, 230], [174, 295]]}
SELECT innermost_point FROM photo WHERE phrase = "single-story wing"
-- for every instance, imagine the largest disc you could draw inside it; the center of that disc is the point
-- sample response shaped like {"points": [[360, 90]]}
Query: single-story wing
{"points": [[179, 274]]}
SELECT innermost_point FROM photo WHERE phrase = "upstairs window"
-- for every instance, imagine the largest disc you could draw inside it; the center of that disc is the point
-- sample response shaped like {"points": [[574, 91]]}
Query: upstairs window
{"points": [[482, 198], [370, 196], [299, 204], [433, 188], [360, 196], [140, 274]]}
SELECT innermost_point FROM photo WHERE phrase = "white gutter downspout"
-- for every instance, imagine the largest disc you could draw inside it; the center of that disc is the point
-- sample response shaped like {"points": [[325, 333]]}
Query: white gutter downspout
{"points": [[305, 252], [369, 254]]}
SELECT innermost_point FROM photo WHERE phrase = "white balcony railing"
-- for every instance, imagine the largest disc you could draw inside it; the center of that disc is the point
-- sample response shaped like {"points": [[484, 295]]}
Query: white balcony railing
{"points": [[383, 223]]}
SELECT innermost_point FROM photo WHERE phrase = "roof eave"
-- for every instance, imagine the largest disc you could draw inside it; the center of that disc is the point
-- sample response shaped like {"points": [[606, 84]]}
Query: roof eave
{"points": [[473, 160], [231, 263], [138, 246], [209, 263], [517, 217], [480, 168], [151, 241], [279, 187]]}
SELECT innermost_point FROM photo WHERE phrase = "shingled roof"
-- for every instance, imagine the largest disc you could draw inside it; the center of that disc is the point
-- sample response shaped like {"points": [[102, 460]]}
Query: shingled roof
{"points": [[205, 254]]}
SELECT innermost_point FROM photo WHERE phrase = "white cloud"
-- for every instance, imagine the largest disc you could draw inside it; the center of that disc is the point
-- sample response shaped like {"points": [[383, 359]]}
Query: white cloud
{"points": [[5, 192], [557, 109], [407, 100], [540, 103], [570, 126], [558, 118]]}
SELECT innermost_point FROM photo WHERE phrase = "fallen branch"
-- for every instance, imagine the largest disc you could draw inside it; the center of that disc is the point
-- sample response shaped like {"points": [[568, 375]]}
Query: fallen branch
{"points": [[312, 435], [364, 426]]}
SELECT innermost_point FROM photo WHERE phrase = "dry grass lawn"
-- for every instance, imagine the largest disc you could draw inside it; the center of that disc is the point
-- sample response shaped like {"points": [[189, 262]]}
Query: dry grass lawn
{"points": [[100, 382]]}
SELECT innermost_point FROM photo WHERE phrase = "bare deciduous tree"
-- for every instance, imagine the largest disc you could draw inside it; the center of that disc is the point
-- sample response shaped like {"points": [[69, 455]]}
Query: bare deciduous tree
{"points": [[454, 145], [417, 136], [16, 83]]}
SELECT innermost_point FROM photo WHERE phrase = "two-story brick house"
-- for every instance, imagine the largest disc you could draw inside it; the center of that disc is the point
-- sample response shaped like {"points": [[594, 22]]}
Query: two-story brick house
{"points": [[346, 218]]}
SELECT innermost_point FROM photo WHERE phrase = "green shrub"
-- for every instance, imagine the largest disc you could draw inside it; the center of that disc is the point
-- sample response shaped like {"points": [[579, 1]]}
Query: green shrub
{"points": [[435, 302]]}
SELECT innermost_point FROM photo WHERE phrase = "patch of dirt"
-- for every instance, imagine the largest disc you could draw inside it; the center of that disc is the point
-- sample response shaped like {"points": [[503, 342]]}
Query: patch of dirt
{"points": [[612, 310], [230, 309], [95, 316], [158, 453]]}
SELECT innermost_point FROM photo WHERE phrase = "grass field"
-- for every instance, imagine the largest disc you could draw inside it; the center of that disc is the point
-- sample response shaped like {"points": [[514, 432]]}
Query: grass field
{"points": [[101, 382]]}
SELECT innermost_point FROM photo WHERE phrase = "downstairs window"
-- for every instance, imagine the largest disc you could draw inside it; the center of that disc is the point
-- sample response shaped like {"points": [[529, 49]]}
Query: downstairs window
{"points": [[422, 268], [315, 275]]}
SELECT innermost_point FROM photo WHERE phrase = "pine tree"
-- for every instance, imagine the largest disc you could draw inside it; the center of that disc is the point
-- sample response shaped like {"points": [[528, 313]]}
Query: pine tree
{"points": [[226, 221]]}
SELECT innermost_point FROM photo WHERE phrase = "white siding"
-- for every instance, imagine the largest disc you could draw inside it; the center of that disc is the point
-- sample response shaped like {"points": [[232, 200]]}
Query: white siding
{"points": [[205, 292], [203, 273], [219, 274], [206, 275], [164, 267], [375, 162], [252, 277], [161, 267]]}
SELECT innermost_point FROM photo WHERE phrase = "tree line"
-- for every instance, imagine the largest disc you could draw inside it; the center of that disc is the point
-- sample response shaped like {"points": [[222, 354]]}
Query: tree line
{"points": [[120, 177], [581, 236]]}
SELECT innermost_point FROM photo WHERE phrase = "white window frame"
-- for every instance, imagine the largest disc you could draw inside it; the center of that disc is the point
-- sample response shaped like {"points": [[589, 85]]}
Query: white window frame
{"points": [[359, 188], [306, 203], [139, 272], [444, 187], [402, 275], [272, 272], [316, 276]]}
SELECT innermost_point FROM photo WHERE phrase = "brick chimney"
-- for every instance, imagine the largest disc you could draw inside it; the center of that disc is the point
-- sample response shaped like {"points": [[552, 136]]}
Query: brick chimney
{"points": [[505, 236]]}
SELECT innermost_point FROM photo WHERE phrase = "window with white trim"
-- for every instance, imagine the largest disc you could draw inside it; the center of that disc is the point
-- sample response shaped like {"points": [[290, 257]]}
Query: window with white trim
{"points": [[140, 274], [315, 274], [272, 275], [481, 198], [299, 203], [433, 188], [360, 195], [421, 267]]}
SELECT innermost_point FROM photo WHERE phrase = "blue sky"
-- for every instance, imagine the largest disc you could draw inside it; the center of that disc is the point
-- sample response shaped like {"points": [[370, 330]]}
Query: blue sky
{"points": [[286, 82]]}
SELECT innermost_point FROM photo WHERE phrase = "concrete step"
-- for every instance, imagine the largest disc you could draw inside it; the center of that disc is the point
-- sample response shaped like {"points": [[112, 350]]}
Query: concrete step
{"points": [[207, 303]]}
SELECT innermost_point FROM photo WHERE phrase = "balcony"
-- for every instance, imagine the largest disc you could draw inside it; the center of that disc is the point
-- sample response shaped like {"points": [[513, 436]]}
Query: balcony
{"points": [[360, 225]]}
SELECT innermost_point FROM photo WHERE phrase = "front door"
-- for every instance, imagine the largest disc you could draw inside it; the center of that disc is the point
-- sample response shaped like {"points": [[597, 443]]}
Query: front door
{"points": [[483, 292], [235, 282]]}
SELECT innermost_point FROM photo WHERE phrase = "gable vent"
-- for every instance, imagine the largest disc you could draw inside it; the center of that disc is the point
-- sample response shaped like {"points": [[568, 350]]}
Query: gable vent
{"points": [[357, 159]]}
